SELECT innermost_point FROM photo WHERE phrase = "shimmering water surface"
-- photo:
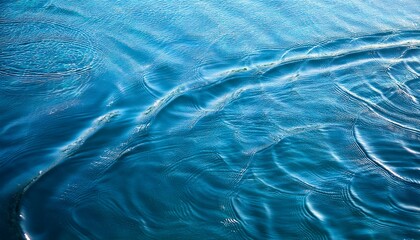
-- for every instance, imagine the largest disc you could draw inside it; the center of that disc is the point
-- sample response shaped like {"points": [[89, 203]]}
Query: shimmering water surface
{"points": [[210, 119]]}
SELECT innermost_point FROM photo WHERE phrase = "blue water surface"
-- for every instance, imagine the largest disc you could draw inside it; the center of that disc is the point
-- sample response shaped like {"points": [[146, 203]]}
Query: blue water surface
{"points": [[251, 119]]}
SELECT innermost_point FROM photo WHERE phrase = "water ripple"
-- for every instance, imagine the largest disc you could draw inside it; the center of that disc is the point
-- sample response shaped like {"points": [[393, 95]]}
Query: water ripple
{"points": [[53, 60], [192, 139]]}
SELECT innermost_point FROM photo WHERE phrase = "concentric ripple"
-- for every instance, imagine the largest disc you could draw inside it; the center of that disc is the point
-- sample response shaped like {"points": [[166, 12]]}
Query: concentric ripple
{"points": [[44, 57]]}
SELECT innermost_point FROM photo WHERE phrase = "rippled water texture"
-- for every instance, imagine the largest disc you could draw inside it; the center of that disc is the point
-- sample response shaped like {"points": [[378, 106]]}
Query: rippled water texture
{"points": [[210, 120]]}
